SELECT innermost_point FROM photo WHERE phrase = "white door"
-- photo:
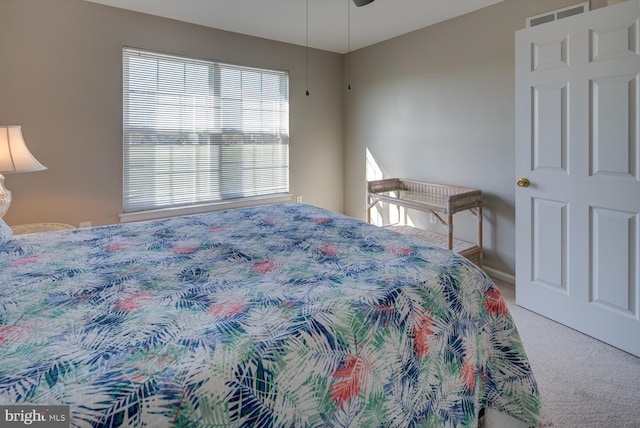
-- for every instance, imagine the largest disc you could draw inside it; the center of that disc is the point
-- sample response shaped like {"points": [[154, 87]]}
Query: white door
{"points": [[578, 144]]}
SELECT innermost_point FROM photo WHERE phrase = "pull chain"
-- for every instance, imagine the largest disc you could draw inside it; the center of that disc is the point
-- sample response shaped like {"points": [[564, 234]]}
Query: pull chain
{"points": [[307, 13], [349, 44]]}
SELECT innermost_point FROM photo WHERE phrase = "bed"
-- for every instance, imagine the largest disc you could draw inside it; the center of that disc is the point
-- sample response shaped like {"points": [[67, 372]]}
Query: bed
{"points": [[272, 316]]}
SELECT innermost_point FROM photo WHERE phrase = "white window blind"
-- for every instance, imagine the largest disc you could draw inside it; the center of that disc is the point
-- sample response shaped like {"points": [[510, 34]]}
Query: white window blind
{"points": [[198, 132]]}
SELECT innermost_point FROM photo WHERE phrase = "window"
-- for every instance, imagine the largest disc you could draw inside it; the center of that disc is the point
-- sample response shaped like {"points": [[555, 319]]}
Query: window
{"points": [[199, 132]]}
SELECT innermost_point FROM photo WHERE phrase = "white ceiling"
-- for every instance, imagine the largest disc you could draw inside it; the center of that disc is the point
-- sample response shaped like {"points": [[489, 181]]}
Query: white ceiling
{"points": [[329, 29]]}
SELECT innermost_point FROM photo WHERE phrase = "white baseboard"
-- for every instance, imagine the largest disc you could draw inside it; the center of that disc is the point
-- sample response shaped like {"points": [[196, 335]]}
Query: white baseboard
{"points": [[500, 275]]}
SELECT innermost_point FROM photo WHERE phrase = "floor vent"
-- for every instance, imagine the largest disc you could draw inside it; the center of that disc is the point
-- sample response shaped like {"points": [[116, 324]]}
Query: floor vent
{"points": [[558, 14]]}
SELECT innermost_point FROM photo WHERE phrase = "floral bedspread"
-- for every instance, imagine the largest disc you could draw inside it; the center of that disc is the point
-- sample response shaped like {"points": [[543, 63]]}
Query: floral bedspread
{"points": [[274, 316]]}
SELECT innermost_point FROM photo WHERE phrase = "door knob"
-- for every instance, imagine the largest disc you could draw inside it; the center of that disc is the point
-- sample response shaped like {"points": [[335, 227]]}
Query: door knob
{"points": [[523, 182]]}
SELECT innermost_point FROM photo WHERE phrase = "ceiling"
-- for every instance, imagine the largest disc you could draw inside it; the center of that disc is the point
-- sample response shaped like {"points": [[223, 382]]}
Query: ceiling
{"points": [[329, 25]]}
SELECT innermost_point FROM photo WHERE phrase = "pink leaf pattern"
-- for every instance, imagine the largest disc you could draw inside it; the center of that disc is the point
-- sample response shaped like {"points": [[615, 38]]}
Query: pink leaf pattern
{"points": [[386, 312], [422, 334], [117, 246], [321, 220], [494, 302], [398, 250], [134, 302], [353, 371], [226, 310], [329, 249], [12, 333], [265, 266], [469, 373], [186, 249], [24, 261], [139, 378]]}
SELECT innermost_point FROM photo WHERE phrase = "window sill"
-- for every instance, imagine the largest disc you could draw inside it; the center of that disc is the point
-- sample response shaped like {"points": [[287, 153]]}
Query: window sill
{"points": [[198, 209]]}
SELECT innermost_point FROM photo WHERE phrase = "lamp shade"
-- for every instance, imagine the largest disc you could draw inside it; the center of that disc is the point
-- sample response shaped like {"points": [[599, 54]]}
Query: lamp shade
{"points": [[14, 154]]}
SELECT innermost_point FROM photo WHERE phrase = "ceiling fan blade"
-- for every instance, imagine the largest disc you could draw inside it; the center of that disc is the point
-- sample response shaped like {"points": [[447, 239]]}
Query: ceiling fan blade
{"points": [[362, 2]]}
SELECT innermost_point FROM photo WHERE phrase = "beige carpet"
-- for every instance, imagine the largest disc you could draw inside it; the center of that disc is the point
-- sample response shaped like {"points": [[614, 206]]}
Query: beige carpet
{"points": [[584, 382]]}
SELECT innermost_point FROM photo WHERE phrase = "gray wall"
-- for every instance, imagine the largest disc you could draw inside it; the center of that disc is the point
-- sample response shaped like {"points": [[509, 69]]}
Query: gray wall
{"points": [[438, 105], [434, 105], [61, 79]]}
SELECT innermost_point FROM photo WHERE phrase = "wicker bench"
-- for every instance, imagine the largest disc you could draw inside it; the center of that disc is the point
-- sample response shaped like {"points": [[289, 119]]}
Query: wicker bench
{"points": [[441, 200]]}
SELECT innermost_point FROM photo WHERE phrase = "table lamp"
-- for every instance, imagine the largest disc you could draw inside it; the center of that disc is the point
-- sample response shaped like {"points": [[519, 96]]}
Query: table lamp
{"points": [[14, 157]]}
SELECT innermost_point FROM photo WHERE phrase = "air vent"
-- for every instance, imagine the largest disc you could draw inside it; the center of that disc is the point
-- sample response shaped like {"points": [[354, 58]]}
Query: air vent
{"points": [[558, 14]]}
